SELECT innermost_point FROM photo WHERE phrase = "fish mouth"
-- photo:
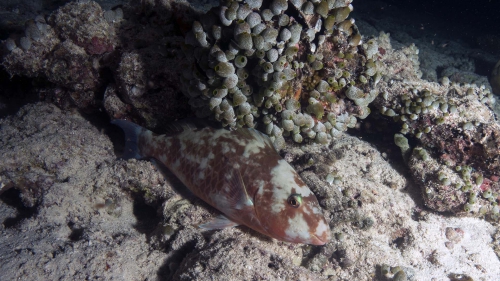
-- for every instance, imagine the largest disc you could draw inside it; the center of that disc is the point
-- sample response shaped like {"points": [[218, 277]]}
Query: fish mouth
{"points": [[317, 240]]}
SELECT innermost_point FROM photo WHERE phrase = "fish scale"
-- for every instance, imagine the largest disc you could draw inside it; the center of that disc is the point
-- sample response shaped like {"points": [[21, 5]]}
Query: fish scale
{"points": [[240, 174]]}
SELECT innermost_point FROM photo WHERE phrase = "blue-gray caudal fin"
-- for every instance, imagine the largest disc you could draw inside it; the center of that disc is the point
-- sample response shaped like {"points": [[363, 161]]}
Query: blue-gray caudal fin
{"points": [[132, 132]]}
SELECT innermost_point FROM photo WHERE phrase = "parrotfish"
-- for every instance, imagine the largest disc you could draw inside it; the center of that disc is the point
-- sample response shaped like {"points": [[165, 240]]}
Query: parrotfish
{"points": [[237, 172]]}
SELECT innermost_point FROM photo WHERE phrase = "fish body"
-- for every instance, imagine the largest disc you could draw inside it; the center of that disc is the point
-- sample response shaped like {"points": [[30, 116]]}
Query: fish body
{"points": [[240, 174]]}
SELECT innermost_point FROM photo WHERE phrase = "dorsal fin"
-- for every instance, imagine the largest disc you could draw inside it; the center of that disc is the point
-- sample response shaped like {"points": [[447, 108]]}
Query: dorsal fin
{"points": [[258, 135]]}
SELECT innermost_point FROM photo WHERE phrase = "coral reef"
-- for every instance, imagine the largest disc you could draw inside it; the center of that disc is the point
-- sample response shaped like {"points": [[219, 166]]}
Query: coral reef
{"points": [[301, 72], [298, 70], [456, 139], [295, 69]]}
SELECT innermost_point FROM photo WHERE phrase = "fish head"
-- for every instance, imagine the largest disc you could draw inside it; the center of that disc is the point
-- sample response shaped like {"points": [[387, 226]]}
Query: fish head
{"points": [[288, 210]]}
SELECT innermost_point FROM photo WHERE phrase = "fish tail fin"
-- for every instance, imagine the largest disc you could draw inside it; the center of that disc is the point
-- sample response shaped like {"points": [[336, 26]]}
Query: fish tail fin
{"points": [[132, 132]]}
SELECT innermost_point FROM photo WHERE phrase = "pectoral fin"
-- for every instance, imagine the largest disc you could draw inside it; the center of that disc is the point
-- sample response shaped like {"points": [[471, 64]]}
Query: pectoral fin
{"points": [[218, 222], [237, 196]]}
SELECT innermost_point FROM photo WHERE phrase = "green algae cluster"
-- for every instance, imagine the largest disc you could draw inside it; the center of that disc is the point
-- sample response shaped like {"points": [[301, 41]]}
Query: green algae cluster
{"points": [[292, 69]]}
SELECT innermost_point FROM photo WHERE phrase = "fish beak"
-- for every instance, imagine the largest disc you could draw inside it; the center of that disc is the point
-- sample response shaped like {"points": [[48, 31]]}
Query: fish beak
{"points": [[319, 240]]}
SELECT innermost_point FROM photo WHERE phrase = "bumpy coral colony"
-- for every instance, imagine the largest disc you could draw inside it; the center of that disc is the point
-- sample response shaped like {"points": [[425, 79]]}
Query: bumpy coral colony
{"points": [[296, 68], [457, 153]]}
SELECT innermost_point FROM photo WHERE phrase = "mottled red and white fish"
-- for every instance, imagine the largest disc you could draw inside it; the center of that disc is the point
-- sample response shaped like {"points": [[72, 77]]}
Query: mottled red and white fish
{"points": [[239, 173]]}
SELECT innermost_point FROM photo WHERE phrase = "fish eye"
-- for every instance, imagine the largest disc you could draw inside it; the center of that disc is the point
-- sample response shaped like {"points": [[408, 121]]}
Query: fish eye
{"points": [[295, 200]]}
